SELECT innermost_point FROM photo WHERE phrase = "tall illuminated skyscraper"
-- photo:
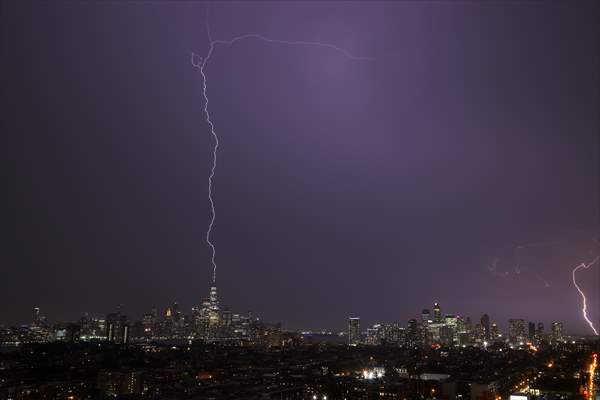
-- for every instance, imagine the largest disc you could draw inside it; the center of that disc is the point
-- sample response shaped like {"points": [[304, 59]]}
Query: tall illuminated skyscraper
{"points": [[214, 315], [214, 302], [437, 313], [353, 331], [557, 331]]}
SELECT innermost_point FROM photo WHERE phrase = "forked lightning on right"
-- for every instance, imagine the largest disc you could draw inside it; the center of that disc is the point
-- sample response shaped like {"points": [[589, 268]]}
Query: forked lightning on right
{"points": [[584, 308]]}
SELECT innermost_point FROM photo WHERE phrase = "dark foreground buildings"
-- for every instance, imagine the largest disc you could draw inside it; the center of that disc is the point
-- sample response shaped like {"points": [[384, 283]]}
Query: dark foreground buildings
{"points": [[91, 370]]}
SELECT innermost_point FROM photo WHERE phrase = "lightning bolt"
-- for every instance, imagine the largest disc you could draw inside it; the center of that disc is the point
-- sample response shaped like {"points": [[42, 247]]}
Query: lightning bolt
{"points": [[200, 63], [584, 307]]}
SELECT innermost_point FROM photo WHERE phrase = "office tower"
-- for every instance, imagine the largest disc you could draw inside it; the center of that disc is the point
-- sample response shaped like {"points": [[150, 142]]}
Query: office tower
{"points": [[392, 334], [413, 333], [36, 316], [516, 331], [462, 336], [148, 325], [214, 302], [117, 328], [468, 325], [425, 316], [374, 335], [531, 331], [112, 327], [202, 319], [91, 327], [494, 332], [125, 333], [214, 316], [353, 331], [177, 316], [39, 320], [226, 317], [446, 335], [167, 323], [478, 334], [539, 333], [451, 320], [461, 325], [557, 331], [485, 325], [437, 313]]}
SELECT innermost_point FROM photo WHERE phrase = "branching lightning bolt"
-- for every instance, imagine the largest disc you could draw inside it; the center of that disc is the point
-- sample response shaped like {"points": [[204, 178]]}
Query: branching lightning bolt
{"points": [[201, 65], [584, 307]]}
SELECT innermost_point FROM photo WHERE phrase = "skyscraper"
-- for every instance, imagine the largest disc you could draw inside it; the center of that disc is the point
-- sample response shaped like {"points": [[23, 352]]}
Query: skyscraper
{"points": [[112, 327], [557, 331], [468, 325], [425, 315], [214, 302], [36, 316], [485, 325], [494, 332], [516, 331], [353, 331], [149, 325], [214, 316], [39, 320], [437, 313], [117, 327], [202, 318], [177, 316], [446, 335], [539, 333], [413, 333], [392, 334], [531, 331]]}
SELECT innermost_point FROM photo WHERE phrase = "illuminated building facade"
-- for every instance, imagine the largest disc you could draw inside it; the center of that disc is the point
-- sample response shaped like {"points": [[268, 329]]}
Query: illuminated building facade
{"points": [[425, 316], [516, 331], [557, 332], [353, 331], [437, 313]]}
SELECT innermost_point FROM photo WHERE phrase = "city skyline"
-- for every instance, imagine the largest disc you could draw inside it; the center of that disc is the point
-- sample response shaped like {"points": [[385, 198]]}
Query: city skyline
{"points": [[213, 311]]}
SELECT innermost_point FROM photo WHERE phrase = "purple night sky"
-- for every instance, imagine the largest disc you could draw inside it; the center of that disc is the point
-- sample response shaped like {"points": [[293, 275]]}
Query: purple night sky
{"points": [[343, 187]]}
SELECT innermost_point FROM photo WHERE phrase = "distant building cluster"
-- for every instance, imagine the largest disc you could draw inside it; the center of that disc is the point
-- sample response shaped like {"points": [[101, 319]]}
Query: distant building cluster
{"points": [[209, 323], [436, 329], [206, 322]]}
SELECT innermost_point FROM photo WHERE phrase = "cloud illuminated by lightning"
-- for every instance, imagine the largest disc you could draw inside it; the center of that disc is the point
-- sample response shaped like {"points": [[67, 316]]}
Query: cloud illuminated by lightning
{"points": [[584, 307], [200, 63]]}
